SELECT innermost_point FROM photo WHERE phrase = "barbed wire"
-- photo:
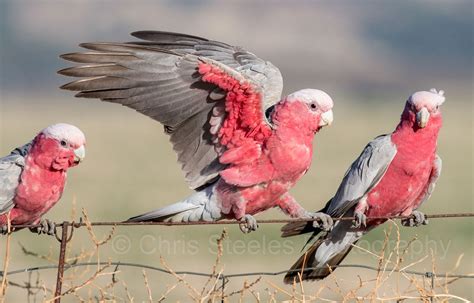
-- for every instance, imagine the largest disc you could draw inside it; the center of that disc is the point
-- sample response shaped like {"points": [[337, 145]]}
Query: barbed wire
{"points": [[427, 274], [226, 222]]}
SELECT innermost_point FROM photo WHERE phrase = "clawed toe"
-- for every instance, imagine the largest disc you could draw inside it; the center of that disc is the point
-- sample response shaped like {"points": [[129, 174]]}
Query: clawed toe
{"points": [[417, 218], [46, 227], [323, 221], [4, 230], [248, 224], [360, 220]]}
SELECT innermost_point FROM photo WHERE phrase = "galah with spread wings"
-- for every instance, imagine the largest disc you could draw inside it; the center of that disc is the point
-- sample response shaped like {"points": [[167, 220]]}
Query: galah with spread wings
{"points": [[241, 146], [393, 176], [33, 176]]}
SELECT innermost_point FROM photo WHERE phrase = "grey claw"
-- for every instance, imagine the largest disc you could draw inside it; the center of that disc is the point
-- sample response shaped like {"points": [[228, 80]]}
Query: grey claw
{"points": [[360, 220], [4, 229], [324, 221], [248, 224], [417, 218], [46, 227]]}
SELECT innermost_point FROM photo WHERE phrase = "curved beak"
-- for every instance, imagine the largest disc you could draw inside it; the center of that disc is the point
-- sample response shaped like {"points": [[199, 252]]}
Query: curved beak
{"points": [[422, 117], [326, 118], [79, 154]]}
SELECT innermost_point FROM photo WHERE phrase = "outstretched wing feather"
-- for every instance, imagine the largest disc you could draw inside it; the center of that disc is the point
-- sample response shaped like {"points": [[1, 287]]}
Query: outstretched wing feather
{"points": [[160, 78]]}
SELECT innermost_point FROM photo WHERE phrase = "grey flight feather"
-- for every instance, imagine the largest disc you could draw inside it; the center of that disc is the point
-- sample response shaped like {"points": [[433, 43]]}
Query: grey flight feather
{"points": [[200, 206], [158, 77], [11, 168], [363, 175]]}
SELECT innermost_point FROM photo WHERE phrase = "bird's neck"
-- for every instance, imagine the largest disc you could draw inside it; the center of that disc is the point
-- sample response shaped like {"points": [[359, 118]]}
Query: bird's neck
{"points": [[411, 138]]}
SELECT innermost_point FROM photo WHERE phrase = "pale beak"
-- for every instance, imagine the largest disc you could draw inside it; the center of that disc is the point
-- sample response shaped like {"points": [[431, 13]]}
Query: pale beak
{"points": [[79, 154], [326, 118], [422, 117]]}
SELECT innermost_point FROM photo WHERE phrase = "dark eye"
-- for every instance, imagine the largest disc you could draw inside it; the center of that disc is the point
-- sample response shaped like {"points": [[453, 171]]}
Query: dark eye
{"points": [[313, 106], [63, 143]]}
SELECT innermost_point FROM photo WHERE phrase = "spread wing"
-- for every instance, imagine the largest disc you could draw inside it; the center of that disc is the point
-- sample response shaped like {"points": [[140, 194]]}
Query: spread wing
{"points": [[211, 97], [11, 168], [363, 175]]}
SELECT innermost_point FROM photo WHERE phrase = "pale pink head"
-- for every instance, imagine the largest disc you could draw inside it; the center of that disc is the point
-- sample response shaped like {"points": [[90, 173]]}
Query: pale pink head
{"points": [[59, 147], [317, 107], [423, 108]]}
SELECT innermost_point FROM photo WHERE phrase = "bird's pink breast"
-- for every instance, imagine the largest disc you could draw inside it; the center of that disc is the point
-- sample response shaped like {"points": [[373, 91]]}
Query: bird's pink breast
{"points": [[408, 174], [288, 156], [39, 190], [400, 187]]}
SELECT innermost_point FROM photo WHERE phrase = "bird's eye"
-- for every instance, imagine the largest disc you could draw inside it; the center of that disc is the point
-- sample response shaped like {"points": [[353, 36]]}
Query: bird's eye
{"points": [[63, 143], [313, 106]]}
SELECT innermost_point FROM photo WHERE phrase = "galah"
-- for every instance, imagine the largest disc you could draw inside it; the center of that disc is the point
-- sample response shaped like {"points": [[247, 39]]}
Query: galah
{"points": [[393, 176], [241, 145], [33, 176]]}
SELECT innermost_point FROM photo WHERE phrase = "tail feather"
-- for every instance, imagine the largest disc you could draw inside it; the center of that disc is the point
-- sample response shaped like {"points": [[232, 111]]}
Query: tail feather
{"points": [[308, 269], [322, 258], [164, 213], [297, 228], [200, 206]]}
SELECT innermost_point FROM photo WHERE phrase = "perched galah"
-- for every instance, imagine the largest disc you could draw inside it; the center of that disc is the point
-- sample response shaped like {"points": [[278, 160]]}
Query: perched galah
{"points": [[240, 145], [393, 176], [33, 176]]}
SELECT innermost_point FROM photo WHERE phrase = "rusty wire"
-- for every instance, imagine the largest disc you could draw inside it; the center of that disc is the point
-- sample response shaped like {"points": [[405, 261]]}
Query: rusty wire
{"points": [[225, 222], [244, 274]]}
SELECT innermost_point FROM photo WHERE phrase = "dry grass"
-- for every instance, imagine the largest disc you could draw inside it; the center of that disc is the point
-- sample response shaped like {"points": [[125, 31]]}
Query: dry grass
{"points": [[391, 281]]}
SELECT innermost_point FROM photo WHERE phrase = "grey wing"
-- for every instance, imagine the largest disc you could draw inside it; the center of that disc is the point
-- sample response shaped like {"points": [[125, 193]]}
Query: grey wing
{"points": [[11, 168], [159, 78], [363, 175]]}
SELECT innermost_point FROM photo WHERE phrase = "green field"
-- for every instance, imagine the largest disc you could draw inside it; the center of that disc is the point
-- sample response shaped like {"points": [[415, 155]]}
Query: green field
{"points": [[130, 168]]}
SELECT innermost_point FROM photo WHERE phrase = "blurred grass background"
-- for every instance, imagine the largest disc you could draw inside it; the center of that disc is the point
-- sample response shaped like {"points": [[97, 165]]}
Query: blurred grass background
{"points": [[368, 56]]}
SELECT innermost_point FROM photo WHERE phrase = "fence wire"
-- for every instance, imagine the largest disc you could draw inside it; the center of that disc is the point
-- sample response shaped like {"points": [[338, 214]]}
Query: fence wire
{"points": [[68, 228]]}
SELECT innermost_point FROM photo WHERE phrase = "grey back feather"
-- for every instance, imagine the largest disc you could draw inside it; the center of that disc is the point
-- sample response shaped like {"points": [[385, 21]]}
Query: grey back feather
{"points": [[363, 175], [158, 77], [11, 168]]}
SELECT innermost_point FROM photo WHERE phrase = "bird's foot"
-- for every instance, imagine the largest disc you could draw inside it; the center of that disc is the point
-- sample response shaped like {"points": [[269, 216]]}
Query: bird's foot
{"points": [[323, 221], [45, 227], [247, 224], [4, 230], [416, 218], [360, 219]]}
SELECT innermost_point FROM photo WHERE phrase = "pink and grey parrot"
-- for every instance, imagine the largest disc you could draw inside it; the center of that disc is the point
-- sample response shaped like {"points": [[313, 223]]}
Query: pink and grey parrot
{"points": [[33, 176], [240, 145], [393, 176]]}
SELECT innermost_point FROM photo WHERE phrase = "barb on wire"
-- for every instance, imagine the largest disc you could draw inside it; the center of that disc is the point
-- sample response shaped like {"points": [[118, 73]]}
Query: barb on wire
{"points": [[225, 222], [244, 274]]}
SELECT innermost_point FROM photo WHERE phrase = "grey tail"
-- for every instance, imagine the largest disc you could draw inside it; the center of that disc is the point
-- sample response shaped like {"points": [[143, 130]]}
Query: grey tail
{"points": [[200, 206], [298, 228], [308, 268], [173, 212]]}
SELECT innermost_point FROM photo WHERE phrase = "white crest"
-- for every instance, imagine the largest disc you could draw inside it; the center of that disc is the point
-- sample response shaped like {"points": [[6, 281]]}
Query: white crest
{"points": [[309, 95], [64, 131], [432, 97]]}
